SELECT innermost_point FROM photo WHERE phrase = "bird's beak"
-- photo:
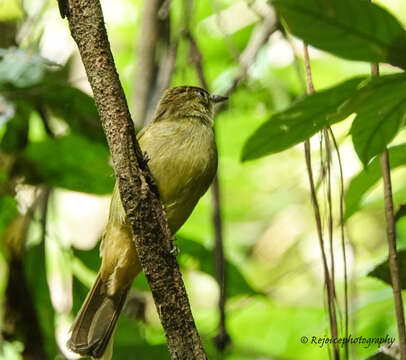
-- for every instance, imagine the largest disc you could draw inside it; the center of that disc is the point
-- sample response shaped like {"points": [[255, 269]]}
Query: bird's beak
{"points": [[218, 98]]}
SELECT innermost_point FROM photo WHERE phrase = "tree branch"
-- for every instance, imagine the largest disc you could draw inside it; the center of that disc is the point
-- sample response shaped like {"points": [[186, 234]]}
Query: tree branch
{"points": [[144, 209]]}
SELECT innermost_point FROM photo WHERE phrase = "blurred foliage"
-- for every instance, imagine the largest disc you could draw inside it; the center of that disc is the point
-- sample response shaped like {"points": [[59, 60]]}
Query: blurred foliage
{"points": [[50, 134]]}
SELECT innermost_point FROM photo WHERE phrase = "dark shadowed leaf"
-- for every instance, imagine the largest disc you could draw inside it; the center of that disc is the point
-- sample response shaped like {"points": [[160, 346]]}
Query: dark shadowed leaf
{"points": [[303, 119], [368, 177], [381, 110], [380, 356], [34, 262], [382, 270], [16, 136], [352, 29], [71, 162]]}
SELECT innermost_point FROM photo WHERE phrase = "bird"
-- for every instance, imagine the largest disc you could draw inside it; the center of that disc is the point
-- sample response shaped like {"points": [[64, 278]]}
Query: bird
{"points": [[180, 146]]}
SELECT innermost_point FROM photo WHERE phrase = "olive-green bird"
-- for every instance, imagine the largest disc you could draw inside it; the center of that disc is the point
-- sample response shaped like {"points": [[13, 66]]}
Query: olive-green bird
{"points": [[180, 144]]}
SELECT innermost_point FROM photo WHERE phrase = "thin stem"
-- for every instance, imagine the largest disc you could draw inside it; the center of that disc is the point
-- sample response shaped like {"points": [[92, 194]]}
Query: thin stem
{"points": [[316, 209], [330, 208], [346, 307]]}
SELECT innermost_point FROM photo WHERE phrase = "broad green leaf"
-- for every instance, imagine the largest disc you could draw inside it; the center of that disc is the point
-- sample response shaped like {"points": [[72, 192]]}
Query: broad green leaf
{"points": [[70, 162], [368, 177], [382, 271], [302, 120], [352, 29], [381, 110]]}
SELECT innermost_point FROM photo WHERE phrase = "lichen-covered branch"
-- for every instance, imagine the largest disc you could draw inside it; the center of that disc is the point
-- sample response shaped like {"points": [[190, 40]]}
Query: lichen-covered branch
{"points": [[142, 204]]}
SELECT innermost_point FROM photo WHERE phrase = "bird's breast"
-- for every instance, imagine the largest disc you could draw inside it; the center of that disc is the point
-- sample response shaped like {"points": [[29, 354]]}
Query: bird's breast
{"points": [[183, 162]]}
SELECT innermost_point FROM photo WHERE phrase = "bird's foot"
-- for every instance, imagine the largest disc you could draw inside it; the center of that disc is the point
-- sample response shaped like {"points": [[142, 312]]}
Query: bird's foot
{"points": [[174, 249], [145, 158]]}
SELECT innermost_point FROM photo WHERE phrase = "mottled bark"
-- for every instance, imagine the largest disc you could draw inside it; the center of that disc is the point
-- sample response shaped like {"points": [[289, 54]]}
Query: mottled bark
{"points": [[142, 204]]}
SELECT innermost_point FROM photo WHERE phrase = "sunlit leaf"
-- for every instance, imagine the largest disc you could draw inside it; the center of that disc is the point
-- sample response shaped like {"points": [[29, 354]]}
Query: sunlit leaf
{"points": [[368, 177], [10, 9], [352, 29], [303, 119]]}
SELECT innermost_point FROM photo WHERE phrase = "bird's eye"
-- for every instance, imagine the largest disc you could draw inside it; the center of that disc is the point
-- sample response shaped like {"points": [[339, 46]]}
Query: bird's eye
{"points": [[202, 94]]}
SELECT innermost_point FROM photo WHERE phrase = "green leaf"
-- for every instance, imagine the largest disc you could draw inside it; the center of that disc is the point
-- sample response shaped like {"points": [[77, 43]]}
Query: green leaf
{"points": [[381, 109], [368, 177], [382, 271], [11, 9], [303, 119], [235, 281], [352, 29], [71, 162]]}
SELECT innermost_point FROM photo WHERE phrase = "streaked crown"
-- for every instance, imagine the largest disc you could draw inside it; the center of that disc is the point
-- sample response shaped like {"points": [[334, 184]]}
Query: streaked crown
{"points": [[183, 102]]}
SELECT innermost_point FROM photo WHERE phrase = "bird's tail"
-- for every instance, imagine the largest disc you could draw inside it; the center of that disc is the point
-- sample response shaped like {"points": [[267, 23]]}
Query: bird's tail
{"points": [[96, 322]]}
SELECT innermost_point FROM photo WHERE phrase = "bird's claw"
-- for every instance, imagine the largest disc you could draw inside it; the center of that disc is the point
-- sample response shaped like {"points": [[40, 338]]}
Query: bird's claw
{"points": [[145, 158], [174, 249]]}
